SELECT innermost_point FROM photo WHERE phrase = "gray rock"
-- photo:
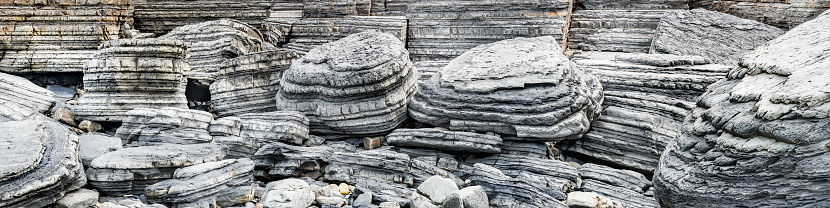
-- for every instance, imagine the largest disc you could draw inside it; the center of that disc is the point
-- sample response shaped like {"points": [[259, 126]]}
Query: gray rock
{"points": [[580, 199], [360, 85], [148, 74], [616, 177], [437, 188], [621, 195], [617, 30], [364, 199], [453, 141], [758, 135], [62, 94], [130, 170], [278, 126], [39, 164], [530, 149], [644, 105], [212, 42], [249, 82], [288, 193], [11, 111], [162, 16], [419, 201], [506, 191], [716, 36], [282, 160], [484, 90], [473, 197], [165, 126], [23, 92], [553, 174], [785, 14], [93, 146], [81, 198], [206, 181], [389, 205], [634, 4], [370, 165], [304, 34]]}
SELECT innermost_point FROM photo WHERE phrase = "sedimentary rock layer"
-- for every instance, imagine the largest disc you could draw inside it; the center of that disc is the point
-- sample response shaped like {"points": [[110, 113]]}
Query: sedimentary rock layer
{"points": [[165, 126], [162, 16], [39, 163], [133, 73], [613, 30], [786, 14], [303, 34], [360, 84], [204, 181], [634, 4], [506, 191], [25, 93], [451, 141], [522, 86], [282, 160], [758, 137], [57, 36], [248, 83], [719, 37], [646, 99]]}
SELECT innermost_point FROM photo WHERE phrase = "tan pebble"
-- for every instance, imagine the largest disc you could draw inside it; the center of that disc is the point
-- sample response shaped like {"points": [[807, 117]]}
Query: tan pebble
{"points": [[344, 189]]}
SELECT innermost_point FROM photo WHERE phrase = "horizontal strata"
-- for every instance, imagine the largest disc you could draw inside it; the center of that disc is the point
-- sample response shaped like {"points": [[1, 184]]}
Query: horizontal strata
{"points": [[785, 14], [613, 30], [303, 34], [25, 93], [57, 36], [249, 83], [133, 73], [162, 16], [451, 141], [204, 181], [165, 126]]}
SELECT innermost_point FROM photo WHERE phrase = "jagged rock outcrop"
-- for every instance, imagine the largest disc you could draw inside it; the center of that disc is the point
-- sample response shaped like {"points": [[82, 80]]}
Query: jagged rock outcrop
{"points": [[204, 181], [622, 186], [212, 42], [248, 83], [282, 160], [57, 36], [162, 16], [522, 86], [39, 163], [506, 191], [451, 141], [786, 14], [646, 98], [133, 73], [130, 170], [719, 37], [758, 137], [20, 91], [360, 85], [304, 34], [165, 126]]}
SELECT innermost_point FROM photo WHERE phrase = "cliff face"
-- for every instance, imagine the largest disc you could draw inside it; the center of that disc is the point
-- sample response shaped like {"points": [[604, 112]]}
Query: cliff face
{"points": [[785, 14]]}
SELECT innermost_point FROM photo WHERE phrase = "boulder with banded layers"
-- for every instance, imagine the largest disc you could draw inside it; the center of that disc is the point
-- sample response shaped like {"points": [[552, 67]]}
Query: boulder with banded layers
{"points": [[249, 83]]}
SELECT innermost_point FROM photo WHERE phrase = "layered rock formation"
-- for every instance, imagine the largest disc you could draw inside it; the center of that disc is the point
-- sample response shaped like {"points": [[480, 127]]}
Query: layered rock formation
{"points": [[207, 180], [506, 191], [165, 126], [133, 73], [786, 14], [450, 141], [39, 163], [245, 134], [210, 43], [719, 37], [130, 170], [20, 91], [360, 84], [282, 160], [57, 36], [646, 99], [622, 186], [162, 16], [248, 83], [522, 86], [758, 137], [613, 30], [304, 34]]}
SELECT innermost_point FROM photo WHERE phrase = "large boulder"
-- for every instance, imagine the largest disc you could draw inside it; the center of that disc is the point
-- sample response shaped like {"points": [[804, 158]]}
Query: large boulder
{"points": [[758, 138], [248, 83], [25, 93], [522, 86], [133, 73], [39, 163], [360, 84]]}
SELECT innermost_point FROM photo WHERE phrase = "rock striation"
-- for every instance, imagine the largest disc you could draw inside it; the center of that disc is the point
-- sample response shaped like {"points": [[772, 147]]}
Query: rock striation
{"points": [[20, 91], [506, 191], [212, 42], [39, 163], [303, 34], [451, 141], [203, 181], [282, 160], [785, 14], [646, 98], [719, 37], [163, 16], [165, 126], [130, 170], [249, 83], [622, 186], [245, 134], [629, 31], [522, 86], [757, 137], [57, 36], [360, 84], [133, 73]]}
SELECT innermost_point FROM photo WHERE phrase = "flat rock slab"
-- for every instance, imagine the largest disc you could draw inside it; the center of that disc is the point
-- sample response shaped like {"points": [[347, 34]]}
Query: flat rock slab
{"points": [[452, 141], [204, 181], [165, 126]]}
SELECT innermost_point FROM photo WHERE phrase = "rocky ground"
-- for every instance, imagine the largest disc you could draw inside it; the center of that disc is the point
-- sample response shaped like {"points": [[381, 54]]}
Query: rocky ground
{"points": [[414, 103]]}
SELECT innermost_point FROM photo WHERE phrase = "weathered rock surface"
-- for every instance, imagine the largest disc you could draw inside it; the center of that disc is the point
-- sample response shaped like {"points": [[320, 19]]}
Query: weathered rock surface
{"points": [[130, 170], [506, 191], [360, 84], [646, 98], [93, 146], [613, 30], [371, 165], [304, 34], [278, 126], [162, 16], [634, 4], [719, 37], [786, 14], [437, 188], [212, 42], [165, 126], [248, 83], [625, 197], [133, 73], [452, 141], [553, 174], [522, 86], [580, 199], [758, 137], [616, 177], [203, 181], [25, 93], [282, 160], [57, 36], [39, 163], [11, 111], [288, 193]]}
